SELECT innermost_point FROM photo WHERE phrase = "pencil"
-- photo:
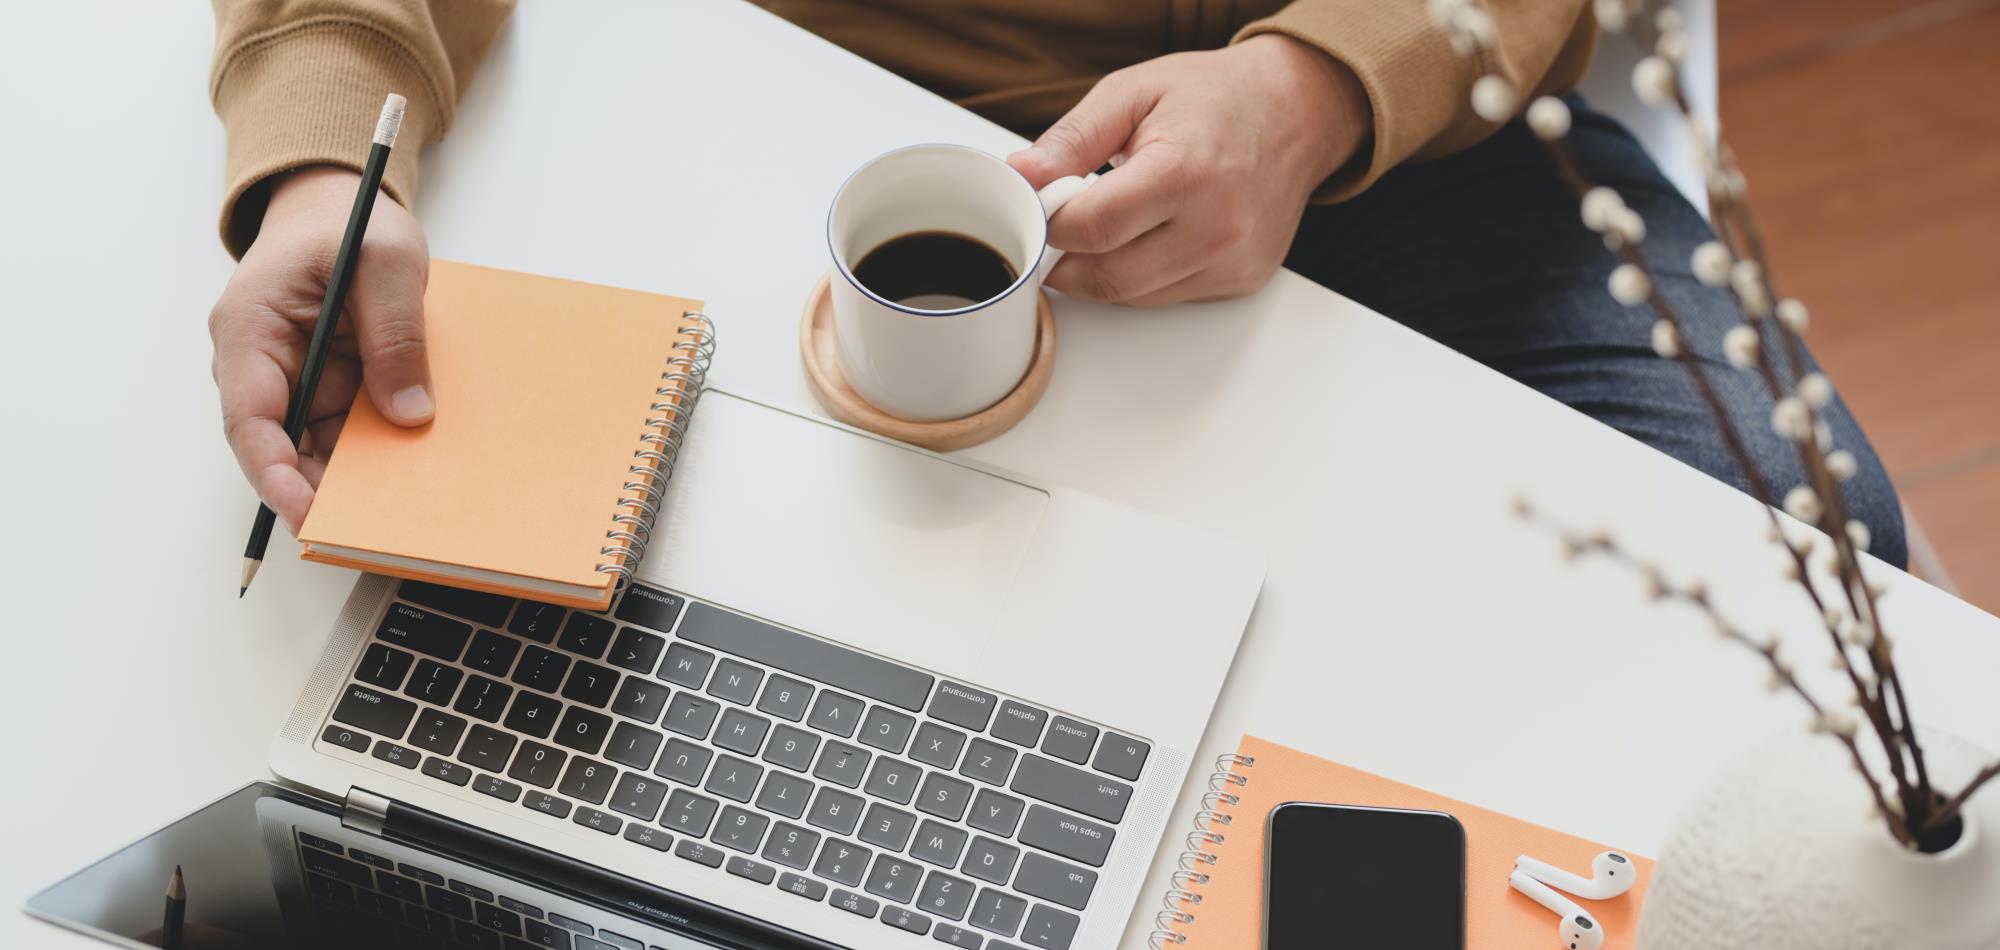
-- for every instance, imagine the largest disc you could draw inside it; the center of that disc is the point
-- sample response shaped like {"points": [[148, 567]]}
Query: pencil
{"points": [[386, 127], [170, 928]]}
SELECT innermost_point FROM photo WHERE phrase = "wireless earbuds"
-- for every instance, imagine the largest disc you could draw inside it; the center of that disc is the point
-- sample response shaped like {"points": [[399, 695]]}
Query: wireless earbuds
{"points": [[1610, 875], [1577, 930]]}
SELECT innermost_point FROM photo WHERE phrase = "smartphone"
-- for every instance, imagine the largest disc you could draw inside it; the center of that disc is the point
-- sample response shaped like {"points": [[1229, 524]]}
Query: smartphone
{"points": [[1345, 876]]}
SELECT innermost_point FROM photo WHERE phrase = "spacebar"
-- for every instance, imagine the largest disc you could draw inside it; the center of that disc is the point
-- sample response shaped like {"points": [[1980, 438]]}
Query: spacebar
{"points": [[829, 663]]}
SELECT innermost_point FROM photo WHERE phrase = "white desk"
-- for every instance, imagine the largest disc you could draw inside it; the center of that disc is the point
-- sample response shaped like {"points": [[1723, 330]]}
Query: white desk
{"points": [[1409, 626]]}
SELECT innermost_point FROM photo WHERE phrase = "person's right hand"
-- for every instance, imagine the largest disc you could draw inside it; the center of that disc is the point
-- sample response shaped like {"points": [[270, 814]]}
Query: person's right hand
{"points": [[261, 326]]}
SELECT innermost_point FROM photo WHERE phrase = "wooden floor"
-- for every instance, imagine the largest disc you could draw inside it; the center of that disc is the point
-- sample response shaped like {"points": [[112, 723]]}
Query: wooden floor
{"points": [[1870, 134]]}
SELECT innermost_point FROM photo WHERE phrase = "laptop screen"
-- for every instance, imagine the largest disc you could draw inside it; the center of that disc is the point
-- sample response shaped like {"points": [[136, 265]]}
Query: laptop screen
{"points": [[270, 869]]}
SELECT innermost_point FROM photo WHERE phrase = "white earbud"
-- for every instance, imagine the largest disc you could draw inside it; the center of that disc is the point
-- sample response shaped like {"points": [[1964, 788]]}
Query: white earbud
{"points": [[1610, 875], [1577, 930]]}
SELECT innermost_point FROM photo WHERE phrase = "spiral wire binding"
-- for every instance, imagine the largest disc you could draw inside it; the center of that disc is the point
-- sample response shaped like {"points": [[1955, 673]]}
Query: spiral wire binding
{"points": [[1180, 894], [666, 430]]}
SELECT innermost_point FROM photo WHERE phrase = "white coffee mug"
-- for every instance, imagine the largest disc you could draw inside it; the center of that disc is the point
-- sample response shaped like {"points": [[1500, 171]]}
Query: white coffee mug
{"points": [[927, 365]]}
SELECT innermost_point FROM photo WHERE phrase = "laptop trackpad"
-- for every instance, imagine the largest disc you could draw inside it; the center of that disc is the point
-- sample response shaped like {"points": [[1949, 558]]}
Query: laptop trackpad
{"points": [[863, 541]]}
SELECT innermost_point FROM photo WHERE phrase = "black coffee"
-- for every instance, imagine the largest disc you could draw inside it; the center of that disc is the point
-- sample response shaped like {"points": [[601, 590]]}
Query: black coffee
{"points": [[935, 270]]}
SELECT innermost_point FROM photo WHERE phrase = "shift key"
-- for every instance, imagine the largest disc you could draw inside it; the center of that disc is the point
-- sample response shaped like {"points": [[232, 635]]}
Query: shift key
{"points": [[378, 713], [1072, 788]]}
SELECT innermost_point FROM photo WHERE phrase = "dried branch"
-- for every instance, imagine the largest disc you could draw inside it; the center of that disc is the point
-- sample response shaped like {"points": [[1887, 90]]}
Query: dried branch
{"points": [[1951, 808]]}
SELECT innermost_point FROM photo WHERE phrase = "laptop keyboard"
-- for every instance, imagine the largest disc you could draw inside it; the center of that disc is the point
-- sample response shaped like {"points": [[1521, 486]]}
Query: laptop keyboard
{"points": [[682, 728]]}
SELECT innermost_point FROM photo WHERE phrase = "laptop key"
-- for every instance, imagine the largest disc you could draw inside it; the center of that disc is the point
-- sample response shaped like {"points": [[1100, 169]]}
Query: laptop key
{"points": [[691, 715], [547, 804], [785, 698], [1049, 928], [1069, 739], [1052, 880], [586, 635], [887, 827], [492, 653], [434, 682], [497, 787], [597, 821], [638, 795], [1071, 788], [591, 684], [483, 698], [741, 731], [650, 607], [583, 730], [796, 653], [1019, 724], [371, 711], [688, 813], [733, 778], [944, 796], [383, 665], [854, 903], [744, 867], [887, 729], [987, 761], [835, 810], [686, 666], [633, 746], [842, 862], [444, 901], [698, 853], [802, 886], [785, 795], [991, 861], [894, 780], [945, 896], [842, 764], [637, 650], [497, 918], [735, 681], [537, 765], [541, 668], [956, 936], [476, 606], [437, 732], [620, 942], [791, 846], [416, 629], [962, 705], [533, 715], [894, 879], [537, 621], [792, 748], [939, 844], [740, 829], [902, 918], [1076, 838], [937, 745], [836, 713], [998, 912], [640, 698], [487, 748], [684, 762], [345, 738], [540, 934], [588, 780], [1121, 756], [649, 836]]}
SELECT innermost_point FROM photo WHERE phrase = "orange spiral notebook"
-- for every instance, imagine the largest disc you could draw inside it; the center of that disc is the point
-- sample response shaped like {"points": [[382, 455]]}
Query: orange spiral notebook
{"points": [[1263, 775], [560, 408]]}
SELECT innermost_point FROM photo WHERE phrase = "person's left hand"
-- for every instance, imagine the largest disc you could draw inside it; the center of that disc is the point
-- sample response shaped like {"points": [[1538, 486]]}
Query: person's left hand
{"points": [[1215, 156]]}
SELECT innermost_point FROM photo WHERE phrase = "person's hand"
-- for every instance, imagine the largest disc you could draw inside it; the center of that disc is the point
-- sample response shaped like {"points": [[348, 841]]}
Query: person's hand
{"points": [[261, 326], [1215, 156]]}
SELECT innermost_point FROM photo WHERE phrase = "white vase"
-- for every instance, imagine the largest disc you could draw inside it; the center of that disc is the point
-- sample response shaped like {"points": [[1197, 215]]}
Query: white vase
{"points": [[1780, 852]]}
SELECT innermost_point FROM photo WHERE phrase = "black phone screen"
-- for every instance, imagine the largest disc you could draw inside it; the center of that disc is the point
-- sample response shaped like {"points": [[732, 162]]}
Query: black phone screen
{"points": [[1349, 877]]}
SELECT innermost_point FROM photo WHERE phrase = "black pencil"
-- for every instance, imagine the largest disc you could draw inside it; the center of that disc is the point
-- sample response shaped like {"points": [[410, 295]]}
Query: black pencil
{"points": [[329, 314], [170, 928]]}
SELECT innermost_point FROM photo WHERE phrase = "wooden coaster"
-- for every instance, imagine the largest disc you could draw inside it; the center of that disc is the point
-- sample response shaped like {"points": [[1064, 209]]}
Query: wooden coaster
{"points": [[829, 385]]}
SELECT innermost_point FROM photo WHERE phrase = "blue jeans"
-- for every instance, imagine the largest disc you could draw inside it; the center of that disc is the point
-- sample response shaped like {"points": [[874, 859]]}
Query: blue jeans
{"points": [[1485, 252]]}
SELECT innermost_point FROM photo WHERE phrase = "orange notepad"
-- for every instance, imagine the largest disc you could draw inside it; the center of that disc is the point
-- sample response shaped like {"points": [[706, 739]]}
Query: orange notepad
{"points": [[559, 405], [1230, 914]]}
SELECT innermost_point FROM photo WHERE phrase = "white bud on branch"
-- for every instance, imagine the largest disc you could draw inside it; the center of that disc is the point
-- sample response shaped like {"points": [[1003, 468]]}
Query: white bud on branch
{"points": [[1630, 286], [1612, 15], [1600, 206], [1672, 46], [1842, 464], [1793, 315], [1711, 263], [1628, 226], [1653, 80], [1666, 339], [1668, 20], [1815, 390], [1494, 99], [1791, 419], [1857, 532], [1740, 346], [1549, 118], [1803, 504]]}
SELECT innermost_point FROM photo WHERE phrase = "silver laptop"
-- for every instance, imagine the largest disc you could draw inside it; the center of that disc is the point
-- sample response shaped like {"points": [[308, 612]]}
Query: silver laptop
{"points": [[857, 694]]}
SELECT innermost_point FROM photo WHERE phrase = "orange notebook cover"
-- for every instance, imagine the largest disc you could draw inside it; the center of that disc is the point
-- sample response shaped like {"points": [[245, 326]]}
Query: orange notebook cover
{"points": [[558, 405], [1231, 911]]}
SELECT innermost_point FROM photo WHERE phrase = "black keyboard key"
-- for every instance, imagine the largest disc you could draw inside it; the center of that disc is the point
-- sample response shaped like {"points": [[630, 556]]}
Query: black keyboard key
{"points": [[399, 887], [547, 804], [894, 879], [835, 810], [437, 732], [447, 771], [649, 836], [998, 912], [991, 861], [335, 866], [588, 780], [487, 748], [591, 684], [345, 738], [854, 903], [1019, 724], [539, 934], [473, 891], [1072, 788], [735, 681], [956, 936], [372, 859], [1052, 880], [688, 813], [649, 607], [619, 942], [434, 682], [842, 764], [586, 635], [1069, 739], [733, 778], [445, 902], [597, 821], [570, 923], [472, 936], [481, 608], [583, 730], [791, 846], [987, 761], [483, 698], [383, 665], [740, 829], [538, 765], [843, 863], [638, 795], [1049, 928], [427, 921], [498, 918], [637, 650], [633, 746], [684, 762], [640, 698], [1072, 837], [691, 715], [744, 867], [428, 877], [315, 841], [371, 711], [698, 853], [938, 843], [796, 653], [903, 918], [521, 907], [792, 748], [686, 666], [887, 729], [416, 629], [945, 896], [497, 787], [944, 796], [541, 669], [741, 731], [963, 705], [785, 795], [801, 886], [588, 943], [533, 714], [785, 698], [492, 653], [330, 890], [1121, 756], [537, 621], [937, 746], [894, 779], [887, 827]]}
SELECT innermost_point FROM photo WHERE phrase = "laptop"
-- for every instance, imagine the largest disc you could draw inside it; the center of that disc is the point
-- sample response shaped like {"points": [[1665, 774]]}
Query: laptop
{"points": [[856, 695]]}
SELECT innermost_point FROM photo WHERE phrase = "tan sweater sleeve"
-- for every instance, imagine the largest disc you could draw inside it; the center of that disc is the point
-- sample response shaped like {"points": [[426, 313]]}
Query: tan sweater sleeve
{"points": [[1420, 89], [300, 82]]}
